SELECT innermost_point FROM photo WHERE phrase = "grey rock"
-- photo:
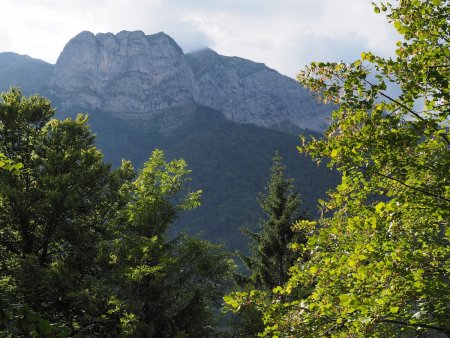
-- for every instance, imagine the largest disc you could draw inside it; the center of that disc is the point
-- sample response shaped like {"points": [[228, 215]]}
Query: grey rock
{"points": [[125, 74], [133, 76], [250, 92]]}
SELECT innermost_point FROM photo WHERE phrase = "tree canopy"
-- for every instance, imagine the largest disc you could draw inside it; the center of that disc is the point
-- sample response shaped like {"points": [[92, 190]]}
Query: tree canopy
{"points": [[379, 256], [164, 287], [271, 255], [84, 250]]}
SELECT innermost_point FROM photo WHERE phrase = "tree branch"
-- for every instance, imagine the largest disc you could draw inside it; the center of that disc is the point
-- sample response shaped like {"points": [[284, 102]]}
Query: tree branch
{"points": [[405, 107], [445, 330], [407, 185]]}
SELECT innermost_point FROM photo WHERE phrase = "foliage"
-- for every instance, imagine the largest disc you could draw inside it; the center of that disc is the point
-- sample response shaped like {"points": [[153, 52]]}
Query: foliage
{"points": [[272, 255], [17, 320], [229, 163], [8, 164], [52, 211], [88, 247], [166, 288], [273, 248], [379, 262]]}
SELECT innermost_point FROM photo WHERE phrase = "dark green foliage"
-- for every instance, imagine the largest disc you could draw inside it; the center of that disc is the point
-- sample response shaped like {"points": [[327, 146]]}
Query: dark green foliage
{"points": [[229, 163], [271, 255], [17, 320], [88, 248], [52, 212], [165, 288]]}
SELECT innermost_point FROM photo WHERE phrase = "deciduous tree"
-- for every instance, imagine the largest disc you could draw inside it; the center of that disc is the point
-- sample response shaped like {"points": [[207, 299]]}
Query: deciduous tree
{"points": [[379, 263], [166, 287], [52, 213]]}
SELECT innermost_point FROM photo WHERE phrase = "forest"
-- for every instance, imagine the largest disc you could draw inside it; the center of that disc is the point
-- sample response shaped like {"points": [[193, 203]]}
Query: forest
{"points": [[85, 249]]}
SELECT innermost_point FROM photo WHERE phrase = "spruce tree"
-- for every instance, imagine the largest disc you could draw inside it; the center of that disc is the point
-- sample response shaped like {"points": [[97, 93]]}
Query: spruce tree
{"points": [[271, 255]]}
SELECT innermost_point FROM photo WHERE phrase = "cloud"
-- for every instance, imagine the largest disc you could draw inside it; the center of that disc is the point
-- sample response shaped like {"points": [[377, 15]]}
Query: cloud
{"points": [[284, 34], [292, 34]]}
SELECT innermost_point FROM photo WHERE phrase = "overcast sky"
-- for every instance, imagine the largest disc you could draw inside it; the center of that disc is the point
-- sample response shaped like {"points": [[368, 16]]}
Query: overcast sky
{"points": [[284, 34]]}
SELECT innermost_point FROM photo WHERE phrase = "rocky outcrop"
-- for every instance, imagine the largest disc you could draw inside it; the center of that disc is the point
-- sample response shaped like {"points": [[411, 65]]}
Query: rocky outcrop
{"points": [[133, 75], [249, 92], [129, 74]]}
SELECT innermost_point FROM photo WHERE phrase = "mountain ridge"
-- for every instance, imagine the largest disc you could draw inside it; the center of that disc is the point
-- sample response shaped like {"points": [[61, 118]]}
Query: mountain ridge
{"points": [[32, 75], [133, 75]]}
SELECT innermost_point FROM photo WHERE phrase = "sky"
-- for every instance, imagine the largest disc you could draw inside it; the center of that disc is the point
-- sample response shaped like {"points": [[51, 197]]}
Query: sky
{"points": [[284, 34]]}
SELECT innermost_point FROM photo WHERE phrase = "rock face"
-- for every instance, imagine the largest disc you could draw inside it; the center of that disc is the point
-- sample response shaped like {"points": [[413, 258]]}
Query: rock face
{"points": [[249, 92], [128, 74], [133, 76]]}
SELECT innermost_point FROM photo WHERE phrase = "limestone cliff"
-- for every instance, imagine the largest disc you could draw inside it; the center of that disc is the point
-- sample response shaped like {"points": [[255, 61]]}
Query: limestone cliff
{"points": [[133, 75], [129, 74], [249, 92]]}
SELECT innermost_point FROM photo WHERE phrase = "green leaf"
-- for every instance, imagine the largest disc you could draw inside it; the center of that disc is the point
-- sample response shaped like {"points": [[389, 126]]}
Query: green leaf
{"points": [[351, 263], [17, 166], [230, 300], [393, 309]]}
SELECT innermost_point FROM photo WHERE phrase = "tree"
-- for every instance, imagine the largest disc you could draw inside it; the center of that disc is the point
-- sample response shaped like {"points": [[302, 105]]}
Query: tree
{"points": [[86, 247], [379, 262], [165, 287], [17, 319], [52, 213], [271, 254], [271, 248]]}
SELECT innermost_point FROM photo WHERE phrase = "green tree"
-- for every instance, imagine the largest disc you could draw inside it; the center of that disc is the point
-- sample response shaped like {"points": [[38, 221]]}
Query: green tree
{"points": [[53, 212], [166, 287], [379, 263], [87, 247], [271, 248], [271, 254], [17, 320]]}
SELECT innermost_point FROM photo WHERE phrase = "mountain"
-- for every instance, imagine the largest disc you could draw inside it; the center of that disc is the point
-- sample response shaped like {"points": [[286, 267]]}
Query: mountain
{"points": [[249, 92], [130, 75], [32, 75], [133, 76], [225, 115]]}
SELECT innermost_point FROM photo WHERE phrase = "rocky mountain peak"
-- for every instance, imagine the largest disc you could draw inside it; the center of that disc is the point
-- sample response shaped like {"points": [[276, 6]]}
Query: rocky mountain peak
{"points": [[133, 75], [126, 73]]}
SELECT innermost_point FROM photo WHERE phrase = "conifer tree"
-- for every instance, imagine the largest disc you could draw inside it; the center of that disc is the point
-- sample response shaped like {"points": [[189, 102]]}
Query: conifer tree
{"points": [[164, 287], [271, 255]]}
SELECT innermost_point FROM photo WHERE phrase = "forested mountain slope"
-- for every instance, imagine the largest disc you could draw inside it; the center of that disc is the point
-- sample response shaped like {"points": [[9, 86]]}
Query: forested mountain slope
{"points": [[226, 116]]}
